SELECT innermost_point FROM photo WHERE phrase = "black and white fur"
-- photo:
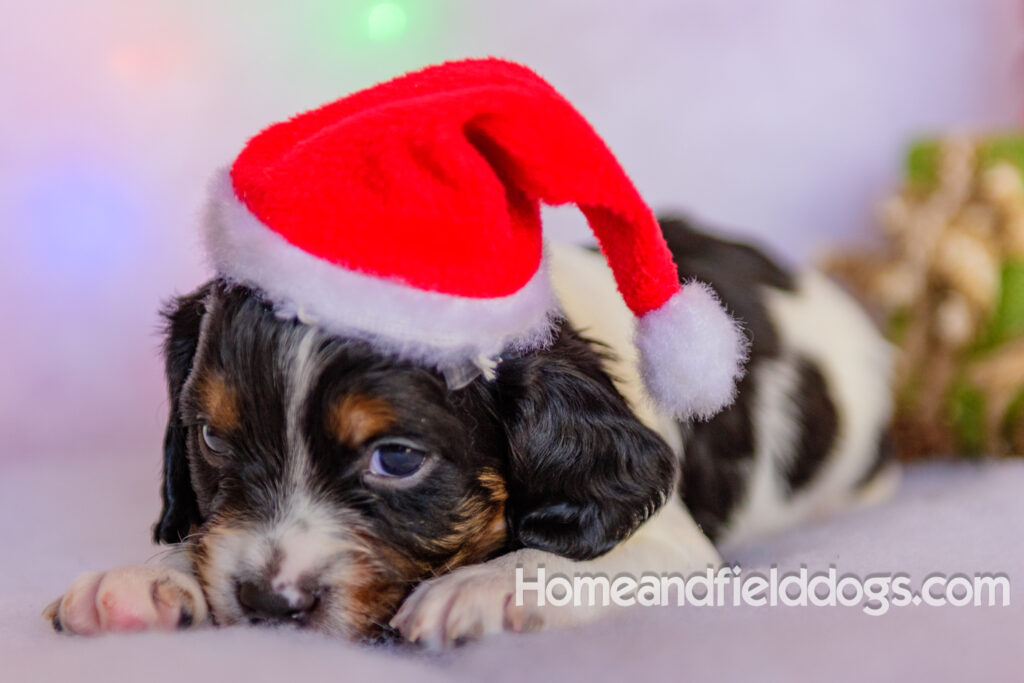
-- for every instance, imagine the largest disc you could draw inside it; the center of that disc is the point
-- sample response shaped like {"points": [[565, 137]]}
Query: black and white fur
{"points": [[560, 460]]}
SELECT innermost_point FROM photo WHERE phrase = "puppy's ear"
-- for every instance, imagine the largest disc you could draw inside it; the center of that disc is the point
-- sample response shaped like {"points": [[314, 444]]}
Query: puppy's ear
{"points": [[180, 512], [583, 472]]}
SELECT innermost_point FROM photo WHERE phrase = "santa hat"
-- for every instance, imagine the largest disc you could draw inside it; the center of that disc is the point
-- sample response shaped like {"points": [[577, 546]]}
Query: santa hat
{"points": [[408, 215]]}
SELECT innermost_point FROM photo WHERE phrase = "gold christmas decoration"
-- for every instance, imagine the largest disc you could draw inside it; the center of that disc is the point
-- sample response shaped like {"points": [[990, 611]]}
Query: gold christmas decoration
{"points": [[947, 283]]}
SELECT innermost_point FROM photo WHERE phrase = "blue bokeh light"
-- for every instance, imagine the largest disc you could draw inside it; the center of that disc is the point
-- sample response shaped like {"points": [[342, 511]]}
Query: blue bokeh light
{"points": [[79, 221]]}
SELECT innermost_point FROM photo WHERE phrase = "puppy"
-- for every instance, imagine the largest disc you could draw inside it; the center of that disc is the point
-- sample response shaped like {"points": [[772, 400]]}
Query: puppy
{"points": [[312, 481]]}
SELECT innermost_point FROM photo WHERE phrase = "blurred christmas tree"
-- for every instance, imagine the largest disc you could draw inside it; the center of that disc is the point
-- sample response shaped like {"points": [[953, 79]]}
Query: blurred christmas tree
{"points": [[948, 283]]}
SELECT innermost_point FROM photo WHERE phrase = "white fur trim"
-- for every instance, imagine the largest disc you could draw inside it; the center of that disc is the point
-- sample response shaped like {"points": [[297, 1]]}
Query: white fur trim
{"points": [[437, 329], [691, 353]]}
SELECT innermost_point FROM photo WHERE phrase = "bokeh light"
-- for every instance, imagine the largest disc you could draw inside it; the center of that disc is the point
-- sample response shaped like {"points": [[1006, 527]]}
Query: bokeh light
{"points": [[145, 63], [386, 21], [78, 221]]}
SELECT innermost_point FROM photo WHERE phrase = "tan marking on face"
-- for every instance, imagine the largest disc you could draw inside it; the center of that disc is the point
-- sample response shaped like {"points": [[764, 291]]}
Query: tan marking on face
{"points": [[373, 587], [220, 402], [481, 528], [374, 582], [214, 551], [494, 483], [356, 418]]}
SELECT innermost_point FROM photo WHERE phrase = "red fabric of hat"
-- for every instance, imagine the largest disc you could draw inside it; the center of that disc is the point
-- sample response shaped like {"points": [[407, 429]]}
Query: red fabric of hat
{"points": [[408, 214]]}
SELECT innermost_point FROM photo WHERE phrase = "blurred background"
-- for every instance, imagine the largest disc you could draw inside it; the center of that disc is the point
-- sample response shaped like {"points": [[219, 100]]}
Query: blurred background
{"points": [[784, 121]]}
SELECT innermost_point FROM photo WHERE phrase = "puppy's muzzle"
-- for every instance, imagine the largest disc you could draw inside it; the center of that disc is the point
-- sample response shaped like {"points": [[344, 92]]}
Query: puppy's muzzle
{"points": [[262, 604]]}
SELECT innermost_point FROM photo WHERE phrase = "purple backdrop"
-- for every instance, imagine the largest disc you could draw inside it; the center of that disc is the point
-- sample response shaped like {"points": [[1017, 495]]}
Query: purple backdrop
{"points": [[784, 119]]}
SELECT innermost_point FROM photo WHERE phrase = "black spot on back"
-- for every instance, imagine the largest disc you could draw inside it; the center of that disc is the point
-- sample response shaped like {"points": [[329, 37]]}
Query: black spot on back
{"points": [[818, 423], [737, 272]]}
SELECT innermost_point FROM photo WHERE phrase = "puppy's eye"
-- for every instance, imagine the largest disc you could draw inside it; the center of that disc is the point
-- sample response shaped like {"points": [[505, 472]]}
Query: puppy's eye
{"points": [[396, 460], [214, 443]]}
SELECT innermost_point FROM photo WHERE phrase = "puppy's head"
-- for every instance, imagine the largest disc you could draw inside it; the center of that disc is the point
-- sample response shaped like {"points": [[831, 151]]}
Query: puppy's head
{"points": [[316, 482]]}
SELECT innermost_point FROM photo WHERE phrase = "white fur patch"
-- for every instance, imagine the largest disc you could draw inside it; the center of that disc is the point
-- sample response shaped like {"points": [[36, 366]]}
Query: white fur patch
{"points": [[691, 353], [821, 323], [308, 540], [856, 362], [766, 507]]}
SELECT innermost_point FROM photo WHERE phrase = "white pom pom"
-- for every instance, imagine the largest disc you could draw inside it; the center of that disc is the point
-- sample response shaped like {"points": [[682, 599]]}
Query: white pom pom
{"points": [[692, 353]]}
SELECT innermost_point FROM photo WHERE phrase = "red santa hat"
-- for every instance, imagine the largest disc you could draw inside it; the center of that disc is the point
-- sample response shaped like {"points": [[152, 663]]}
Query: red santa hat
{"points": [[408, 215]]}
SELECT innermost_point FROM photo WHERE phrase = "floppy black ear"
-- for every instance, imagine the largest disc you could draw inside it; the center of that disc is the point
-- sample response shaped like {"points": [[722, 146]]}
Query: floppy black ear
{"points": [[180, 509], [584, 473]]}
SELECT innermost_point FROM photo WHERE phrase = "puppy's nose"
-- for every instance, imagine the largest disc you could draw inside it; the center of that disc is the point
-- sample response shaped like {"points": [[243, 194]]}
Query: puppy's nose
{"points": [[261, 603]]}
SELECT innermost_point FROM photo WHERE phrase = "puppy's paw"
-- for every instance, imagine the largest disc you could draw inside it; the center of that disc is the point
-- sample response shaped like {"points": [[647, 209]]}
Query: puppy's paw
{"points": [[469, 603], [128, 599]]}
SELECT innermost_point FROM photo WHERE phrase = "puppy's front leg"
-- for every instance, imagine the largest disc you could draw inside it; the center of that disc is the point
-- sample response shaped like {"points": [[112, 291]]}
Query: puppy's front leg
{"points": [[479, 599], [153, 597]]}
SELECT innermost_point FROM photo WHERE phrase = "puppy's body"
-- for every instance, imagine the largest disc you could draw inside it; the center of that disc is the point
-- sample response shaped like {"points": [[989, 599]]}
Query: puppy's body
{"points": [[311, 480], [808, 432]]}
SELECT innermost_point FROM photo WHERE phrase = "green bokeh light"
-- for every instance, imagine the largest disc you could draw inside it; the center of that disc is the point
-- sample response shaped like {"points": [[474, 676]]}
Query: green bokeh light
{"points": [[386, 21]]}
